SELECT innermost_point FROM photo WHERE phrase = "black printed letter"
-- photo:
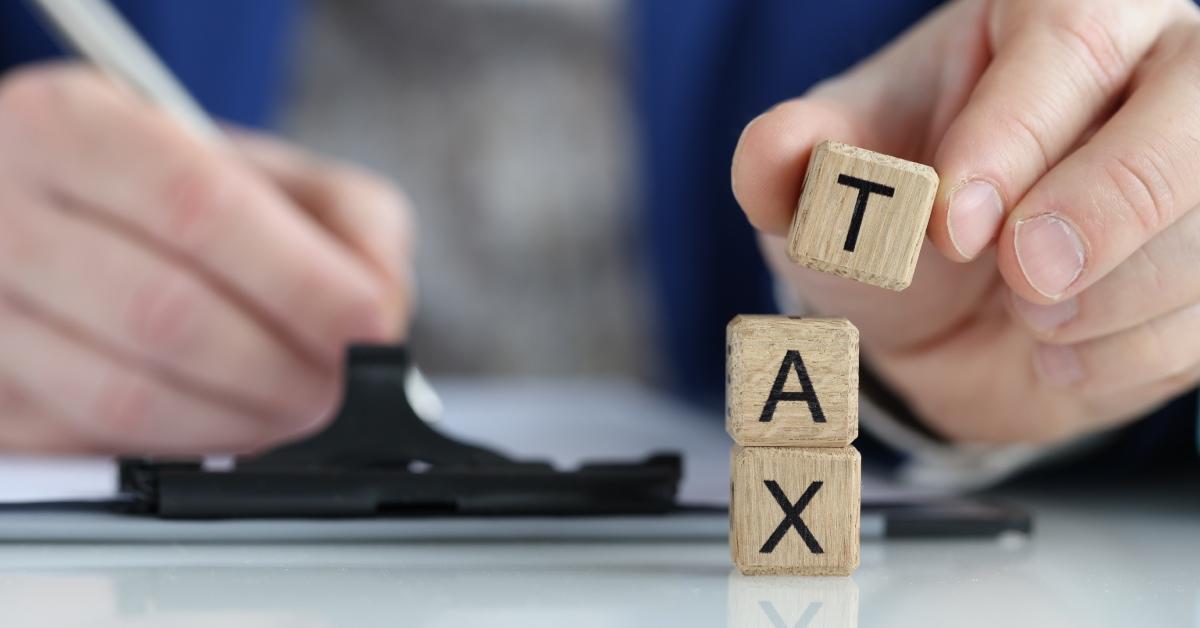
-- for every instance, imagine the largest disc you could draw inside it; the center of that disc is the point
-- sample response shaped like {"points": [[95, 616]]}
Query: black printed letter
{"points": [[865, 189], [807, 393], [791, 517]]}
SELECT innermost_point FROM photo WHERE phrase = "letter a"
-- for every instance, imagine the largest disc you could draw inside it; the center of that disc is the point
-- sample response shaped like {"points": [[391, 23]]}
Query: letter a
{"points": [[807, 393]]}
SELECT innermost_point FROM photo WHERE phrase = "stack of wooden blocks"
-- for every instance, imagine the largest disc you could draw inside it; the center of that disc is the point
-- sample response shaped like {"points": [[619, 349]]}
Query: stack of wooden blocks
{"points": [[792, 383]]}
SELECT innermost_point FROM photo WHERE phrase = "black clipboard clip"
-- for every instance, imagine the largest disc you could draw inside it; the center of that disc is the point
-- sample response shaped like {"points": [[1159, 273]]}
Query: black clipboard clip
{"points": [[379, 458]]}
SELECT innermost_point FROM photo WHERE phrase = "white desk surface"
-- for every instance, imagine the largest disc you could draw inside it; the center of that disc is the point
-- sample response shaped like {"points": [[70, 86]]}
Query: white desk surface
{"points": [[1116, 558]]}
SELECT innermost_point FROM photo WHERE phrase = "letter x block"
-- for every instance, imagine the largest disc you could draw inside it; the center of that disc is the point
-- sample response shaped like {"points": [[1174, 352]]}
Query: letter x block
{"points": [[795, 511], [791, 381], [862, 215]]}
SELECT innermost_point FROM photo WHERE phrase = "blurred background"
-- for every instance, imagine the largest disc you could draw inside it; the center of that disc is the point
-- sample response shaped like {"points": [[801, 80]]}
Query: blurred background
{"points": [[508, 123], [568, 160]]}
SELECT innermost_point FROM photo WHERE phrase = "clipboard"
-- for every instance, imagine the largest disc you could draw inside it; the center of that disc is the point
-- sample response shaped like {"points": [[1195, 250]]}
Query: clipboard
{"points": [[378, 457]]}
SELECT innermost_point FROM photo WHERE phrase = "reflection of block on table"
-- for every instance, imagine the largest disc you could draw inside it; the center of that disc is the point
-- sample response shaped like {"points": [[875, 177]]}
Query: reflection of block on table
{"points": [[791, 601], [791, 381], [795, 510], [862, 215]]}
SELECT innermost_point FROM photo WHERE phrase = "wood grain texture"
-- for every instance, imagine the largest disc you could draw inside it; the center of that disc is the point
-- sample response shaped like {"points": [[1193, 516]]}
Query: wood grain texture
{"points": [[831, 516], [892, 229], [791, 601], [759, 348]]}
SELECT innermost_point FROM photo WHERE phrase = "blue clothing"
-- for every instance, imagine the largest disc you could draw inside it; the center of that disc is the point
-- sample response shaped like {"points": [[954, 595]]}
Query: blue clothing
{"points": [[231, 54], [700, 75], [702, 70]]}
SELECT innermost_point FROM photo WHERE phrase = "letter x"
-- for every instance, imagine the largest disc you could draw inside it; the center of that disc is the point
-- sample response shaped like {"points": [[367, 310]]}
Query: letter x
{"points": [[791, 517], [865, 189], [777, 620]]}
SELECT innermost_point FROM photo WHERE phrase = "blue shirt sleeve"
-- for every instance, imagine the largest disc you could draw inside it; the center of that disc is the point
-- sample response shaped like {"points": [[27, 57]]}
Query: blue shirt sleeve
{"points": [[700, 74], [231, 54]]}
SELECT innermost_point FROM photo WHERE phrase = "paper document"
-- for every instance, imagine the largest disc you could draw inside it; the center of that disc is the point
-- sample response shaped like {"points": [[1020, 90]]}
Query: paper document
{"points": [[25, 479]]}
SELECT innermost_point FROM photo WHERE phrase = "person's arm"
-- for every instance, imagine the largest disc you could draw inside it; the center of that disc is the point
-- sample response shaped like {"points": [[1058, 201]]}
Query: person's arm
{"points": [[1058, 299]]}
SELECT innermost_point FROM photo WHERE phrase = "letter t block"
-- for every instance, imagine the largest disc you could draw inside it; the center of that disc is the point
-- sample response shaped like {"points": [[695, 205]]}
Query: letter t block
{"points": [[791, 382], [862, 215]]}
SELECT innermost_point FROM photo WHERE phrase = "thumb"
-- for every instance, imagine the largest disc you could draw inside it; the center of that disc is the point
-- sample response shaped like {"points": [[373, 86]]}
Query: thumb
{"points": [[772, 156], [897, 102]]}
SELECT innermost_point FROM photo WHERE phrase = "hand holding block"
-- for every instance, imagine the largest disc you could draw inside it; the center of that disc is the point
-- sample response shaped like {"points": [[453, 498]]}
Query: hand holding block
{"points": [[795, 511], [791, 381], [862, 215]]}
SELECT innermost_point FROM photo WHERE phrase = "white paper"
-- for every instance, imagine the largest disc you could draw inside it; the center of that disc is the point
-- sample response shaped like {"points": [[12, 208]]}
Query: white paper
{"points": [[26, 479]]}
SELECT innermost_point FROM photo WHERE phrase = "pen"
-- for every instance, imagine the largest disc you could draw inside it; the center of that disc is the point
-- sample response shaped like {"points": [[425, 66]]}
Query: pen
{"points": [[97, 32], [100, 34]]}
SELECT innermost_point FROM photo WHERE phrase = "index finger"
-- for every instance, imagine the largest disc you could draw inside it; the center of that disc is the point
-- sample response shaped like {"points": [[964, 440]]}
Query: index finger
{"points": [[366, 213], [1134, 178], [129, 165], [1057, 65]]}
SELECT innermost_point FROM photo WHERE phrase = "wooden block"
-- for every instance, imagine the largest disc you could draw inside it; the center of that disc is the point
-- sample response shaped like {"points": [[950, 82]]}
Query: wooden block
{"points": [[791, 601], [862, 215], [795, 511], [791, 381]]}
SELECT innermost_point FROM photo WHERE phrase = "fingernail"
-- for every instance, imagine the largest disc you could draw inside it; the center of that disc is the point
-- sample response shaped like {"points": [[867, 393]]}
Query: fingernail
{"points": [[1045, 318], [1050, 253], [975, 214], [1058, 366]]}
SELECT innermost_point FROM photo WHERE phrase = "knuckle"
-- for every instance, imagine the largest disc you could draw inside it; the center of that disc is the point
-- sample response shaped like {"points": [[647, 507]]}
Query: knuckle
{"points": [[1176, 57], [1142, 187], [292, 394], [33, 96], [123, 405], [1058, 336], [1153, 273], [22, 243], [162, 313], [1027, 130], [352, 308], [365, 186], [29, 100], [1161, 348], [371, 193], [194, 198], [1089, 33], [28, 92], [364, 315], [1183, 380]]}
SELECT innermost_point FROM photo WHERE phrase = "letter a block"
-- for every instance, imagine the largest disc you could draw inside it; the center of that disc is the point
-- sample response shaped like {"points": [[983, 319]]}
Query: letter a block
{"points": [[862, 215], [791, 381], [795, 511]]}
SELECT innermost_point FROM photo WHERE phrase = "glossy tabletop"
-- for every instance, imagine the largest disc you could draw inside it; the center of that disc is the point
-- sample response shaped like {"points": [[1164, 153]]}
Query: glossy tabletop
{"points": [[1099, 557], [1094, 561]]}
